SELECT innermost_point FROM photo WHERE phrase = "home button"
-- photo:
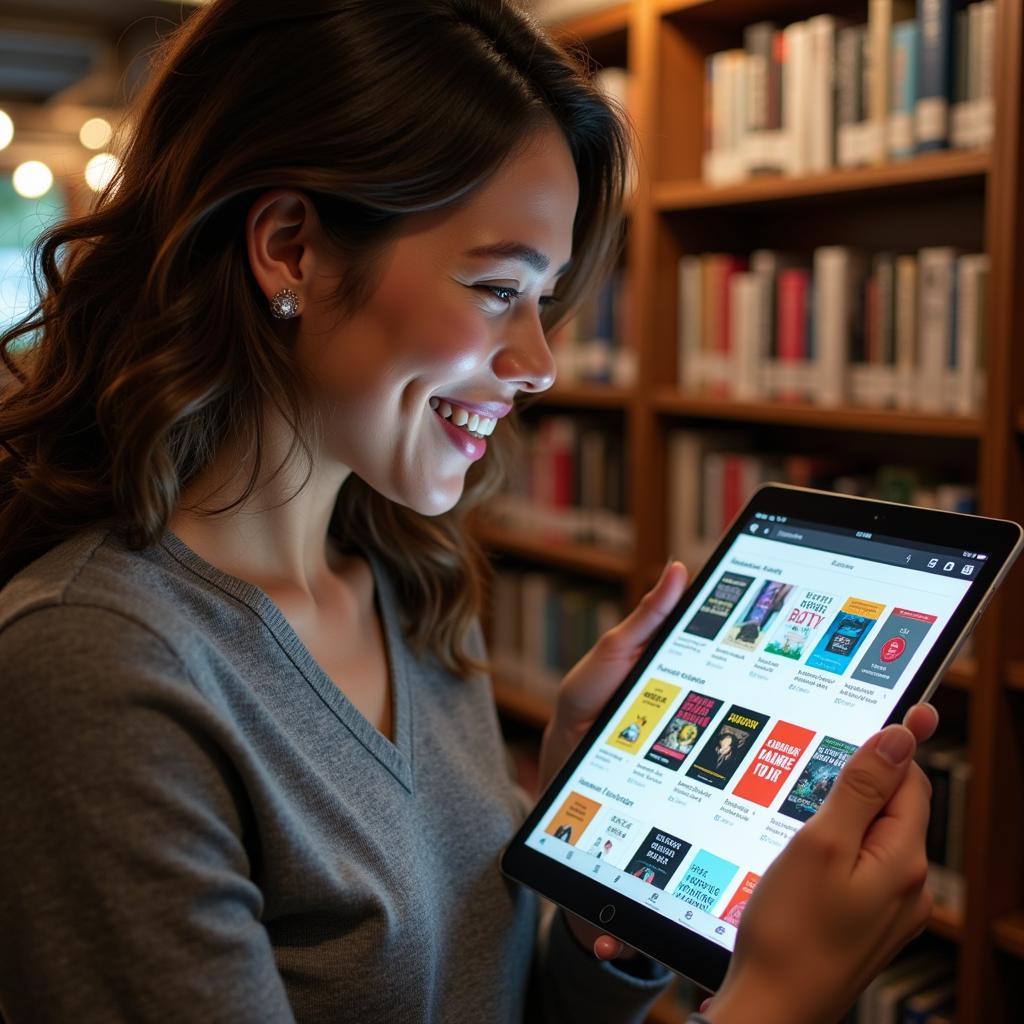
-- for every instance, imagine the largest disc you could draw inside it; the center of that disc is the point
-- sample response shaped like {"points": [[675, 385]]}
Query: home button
{"points": [[607, 913]]}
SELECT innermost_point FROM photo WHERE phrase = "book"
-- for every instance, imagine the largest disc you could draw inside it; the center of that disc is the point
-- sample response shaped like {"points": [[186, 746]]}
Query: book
{"points": [[816, 779], [569, 822], [902, 89], [727, 593], [683, 730], [893, 647], [610, 837], [643, 715], [799, 629], [936, 320], [705, 880], [657, 858], [881, 15], [737, 903], [725, 748], [774, 762], [840, 641], [757, 618], [934, 74]]}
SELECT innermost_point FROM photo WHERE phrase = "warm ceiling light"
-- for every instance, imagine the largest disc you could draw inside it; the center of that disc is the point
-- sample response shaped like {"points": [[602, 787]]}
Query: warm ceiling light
{"points": [[99, 170], [95, 133], [32, 179], [6, 129]]}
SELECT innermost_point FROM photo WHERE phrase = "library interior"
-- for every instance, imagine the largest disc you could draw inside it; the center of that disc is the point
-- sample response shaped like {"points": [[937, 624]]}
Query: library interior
{"points": [[816, 285]]}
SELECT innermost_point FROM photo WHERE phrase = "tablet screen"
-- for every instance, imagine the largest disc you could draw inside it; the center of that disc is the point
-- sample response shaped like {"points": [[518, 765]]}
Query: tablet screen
{"points": [[797, 648]]}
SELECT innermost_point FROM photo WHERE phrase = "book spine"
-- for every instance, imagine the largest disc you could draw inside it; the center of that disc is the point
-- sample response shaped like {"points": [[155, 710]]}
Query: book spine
{"points": [[879, 33], [936, 284], [934, 74], [821, 88], [903, 89], [689, 349], [849, 88], [836, 283], [972, 271], [906, 304]]}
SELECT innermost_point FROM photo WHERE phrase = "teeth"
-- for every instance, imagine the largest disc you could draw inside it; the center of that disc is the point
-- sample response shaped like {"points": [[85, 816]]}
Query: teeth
{"points": [[482, 426]]}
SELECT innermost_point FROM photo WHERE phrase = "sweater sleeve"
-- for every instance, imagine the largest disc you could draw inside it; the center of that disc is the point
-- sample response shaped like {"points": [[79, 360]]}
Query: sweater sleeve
{"points": [[126, 892]]}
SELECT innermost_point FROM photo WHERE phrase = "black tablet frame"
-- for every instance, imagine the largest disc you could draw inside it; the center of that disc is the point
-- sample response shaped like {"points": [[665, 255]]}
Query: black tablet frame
{"points": [[672, 944]]}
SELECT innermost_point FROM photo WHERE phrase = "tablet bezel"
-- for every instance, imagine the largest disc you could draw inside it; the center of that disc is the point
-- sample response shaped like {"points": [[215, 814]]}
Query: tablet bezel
{"points": [[672, 944]]}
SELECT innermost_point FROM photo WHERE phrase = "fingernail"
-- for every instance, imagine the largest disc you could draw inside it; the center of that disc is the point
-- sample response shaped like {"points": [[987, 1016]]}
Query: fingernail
{"points": [[895, 744]]}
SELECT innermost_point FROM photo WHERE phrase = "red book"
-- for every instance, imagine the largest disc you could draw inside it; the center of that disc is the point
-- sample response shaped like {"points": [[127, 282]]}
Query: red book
{"points": [[792, 315], [732, 488]]}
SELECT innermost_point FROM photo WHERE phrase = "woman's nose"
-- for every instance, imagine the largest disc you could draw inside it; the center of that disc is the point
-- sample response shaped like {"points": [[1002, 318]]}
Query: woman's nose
{"points": [[524, 358]]}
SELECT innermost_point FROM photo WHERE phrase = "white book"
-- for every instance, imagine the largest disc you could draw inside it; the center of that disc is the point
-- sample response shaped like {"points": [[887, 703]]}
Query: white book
{"points": [[936, 267], [821, 88], [746, 322], [972, 276], [986, 74], [534, 596], [795, 112], [689, 350], [687, 493], [906, 330], [838, 271], [875, 149]]}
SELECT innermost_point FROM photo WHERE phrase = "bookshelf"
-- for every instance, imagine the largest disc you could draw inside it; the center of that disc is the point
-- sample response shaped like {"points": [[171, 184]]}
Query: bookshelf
{"points": [[970, 198]]}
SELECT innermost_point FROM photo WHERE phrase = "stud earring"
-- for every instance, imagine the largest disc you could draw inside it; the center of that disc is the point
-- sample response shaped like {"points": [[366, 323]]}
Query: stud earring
{"points": [[284, 304]]}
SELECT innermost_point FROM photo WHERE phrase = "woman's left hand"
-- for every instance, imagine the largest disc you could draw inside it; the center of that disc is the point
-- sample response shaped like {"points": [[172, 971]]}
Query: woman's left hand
{"points": [[585, 691]]}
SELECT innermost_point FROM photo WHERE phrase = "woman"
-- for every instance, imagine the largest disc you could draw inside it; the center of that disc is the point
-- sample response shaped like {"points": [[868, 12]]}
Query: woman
{"points": [[251, 758]]}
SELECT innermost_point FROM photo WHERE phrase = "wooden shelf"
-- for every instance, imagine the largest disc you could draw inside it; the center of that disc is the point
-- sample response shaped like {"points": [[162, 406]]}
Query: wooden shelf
{"points": [[962, 674], [946, 923], [594, 25], [1015, 675], [1008, 933], [846, 418], [555, 553], [935, 168], [522, 705], [586, 396]]}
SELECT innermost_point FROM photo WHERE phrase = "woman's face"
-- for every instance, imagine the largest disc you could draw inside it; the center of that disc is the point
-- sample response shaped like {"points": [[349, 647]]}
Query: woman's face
{"points": [[413, 382]]}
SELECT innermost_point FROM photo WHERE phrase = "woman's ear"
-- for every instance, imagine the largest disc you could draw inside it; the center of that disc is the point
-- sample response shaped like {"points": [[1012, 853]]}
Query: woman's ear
{"points": [[281, 233]]}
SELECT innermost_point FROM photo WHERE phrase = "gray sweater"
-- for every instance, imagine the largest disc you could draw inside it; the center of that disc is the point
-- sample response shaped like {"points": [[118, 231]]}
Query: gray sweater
{"points": [[198, 826]]}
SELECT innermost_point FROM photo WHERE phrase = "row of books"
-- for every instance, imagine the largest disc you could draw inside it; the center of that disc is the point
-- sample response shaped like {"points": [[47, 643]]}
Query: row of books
{"points": [[826, 92], [949, 771], [571, 486], [917, 988], [712, 474], [540, 624], [593, 347], [839, 326]]}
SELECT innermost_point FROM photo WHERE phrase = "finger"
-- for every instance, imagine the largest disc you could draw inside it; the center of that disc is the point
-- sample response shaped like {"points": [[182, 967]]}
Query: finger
{"points": [[897, 837], [705, 1004], [606, 947], [649, 614], [922, 720], [865, 785]]}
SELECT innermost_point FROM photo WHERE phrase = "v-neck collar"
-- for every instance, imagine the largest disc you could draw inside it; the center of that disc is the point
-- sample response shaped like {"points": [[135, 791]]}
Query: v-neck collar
{"points": [[395, 756]]}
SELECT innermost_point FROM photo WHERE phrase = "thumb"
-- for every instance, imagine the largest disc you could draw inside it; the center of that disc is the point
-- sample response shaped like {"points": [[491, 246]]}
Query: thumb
{"points": [[867, 783]]}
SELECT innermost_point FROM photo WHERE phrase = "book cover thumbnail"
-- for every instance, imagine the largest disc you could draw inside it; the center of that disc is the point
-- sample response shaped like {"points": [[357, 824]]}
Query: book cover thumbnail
{"points": [[572, 818], [738, 903], [646, 711], [705, 880], [894, 645], [800, 628], [657, 858], [718, 759], [719, 605], [683, 731], [816, 780], [775, 761], [611, 837], [847, 631], [759, 615]]}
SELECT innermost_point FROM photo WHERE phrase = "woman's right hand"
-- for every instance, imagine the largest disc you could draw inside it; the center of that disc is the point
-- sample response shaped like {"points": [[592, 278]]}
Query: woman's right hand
{"points": [[841, 899]]}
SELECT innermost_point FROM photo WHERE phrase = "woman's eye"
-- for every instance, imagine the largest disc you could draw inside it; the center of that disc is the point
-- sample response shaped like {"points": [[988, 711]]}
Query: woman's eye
{"points": [[502, 293]]}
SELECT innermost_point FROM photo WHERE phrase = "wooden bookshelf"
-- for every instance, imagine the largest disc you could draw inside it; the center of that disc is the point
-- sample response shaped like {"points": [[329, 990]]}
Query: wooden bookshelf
{"points": [[964, 198], [941, 170], [521, 704], [846, 418], [1009, 934], [554, 552]]}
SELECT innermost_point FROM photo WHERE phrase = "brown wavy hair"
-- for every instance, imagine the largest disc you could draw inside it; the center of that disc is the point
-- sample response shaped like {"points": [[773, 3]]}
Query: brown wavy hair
{"points": [[152, 343]]}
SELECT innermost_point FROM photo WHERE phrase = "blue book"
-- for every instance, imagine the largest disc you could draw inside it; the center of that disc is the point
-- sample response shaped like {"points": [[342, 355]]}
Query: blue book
{"points": [[902, 89], [934, 74]]}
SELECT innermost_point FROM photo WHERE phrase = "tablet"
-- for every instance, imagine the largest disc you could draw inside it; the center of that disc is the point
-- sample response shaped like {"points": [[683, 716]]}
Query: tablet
{"points": [[818, 619]]}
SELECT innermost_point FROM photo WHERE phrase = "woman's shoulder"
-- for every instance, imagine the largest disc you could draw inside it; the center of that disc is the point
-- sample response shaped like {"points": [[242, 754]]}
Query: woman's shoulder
{"points": [[94, 587]]}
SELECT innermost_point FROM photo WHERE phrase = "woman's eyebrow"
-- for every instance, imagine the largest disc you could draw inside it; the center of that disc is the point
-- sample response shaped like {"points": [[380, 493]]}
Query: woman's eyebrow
{"points": [[533, 258]]}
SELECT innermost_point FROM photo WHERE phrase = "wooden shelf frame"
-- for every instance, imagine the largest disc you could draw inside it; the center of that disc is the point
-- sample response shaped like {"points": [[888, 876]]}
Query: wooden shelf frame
{"points": [[555, 552]]}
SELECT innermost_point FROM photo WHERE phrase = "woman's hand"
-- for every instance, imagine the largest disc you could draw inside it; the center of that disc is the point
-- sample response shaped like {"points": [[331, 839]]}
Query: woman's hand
{"points": [[585, 691], [841, 899], [595, 677]]}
